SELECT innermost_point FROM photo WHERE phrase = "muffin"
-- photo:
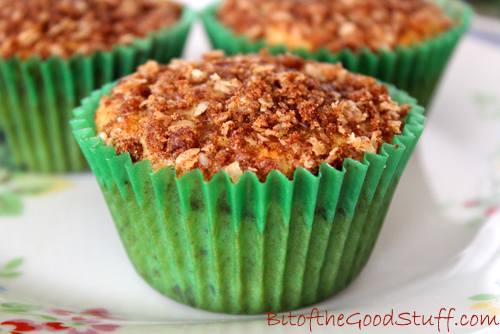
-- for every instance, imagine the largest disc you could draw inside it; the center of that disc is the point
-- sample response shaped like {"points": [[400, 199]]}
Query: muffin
{"points": [[248, 184], [247, 113], [335, 25], [55, 52], [406, 43]]}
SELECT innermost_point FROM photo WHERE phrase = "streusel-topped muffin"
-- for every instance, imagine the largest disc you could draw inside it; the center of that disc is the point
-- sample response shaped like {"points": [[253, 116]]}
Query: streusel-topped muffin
{"points": [[259, 241], [53, 53], [65, 27], [252, 113], [335, 24]]}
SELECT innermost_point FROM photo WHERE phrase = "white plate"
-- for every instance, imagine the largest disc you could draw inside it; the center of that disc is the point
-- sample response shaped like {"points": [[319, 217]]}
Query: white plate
{"points": [[439, 247]]}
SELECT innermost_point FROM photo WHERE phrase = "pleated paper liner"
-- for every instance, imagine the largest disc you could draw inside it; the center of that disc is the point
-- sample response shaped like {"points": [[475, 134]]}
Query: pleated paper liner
{"points": [[415, 69], [5, 155], [249, 247], [37, 96]]}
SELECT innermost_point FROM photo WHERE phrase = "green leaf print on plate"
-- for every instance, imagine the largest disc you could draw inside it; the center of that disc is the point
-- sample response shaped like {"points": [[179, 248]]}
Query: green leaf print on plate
{"points": [[14, 185], [487, 302], [10, 204], [8, 270], [13, 264], [489, 104], [18, 308], [483, 296]]}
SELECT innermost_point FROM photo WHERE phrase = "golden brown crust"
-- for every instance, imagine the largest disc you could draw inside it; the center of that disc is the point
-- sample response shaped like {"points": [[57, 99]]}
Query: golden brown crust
{"points": [[66, 27], [247, 113], [335, 24]]}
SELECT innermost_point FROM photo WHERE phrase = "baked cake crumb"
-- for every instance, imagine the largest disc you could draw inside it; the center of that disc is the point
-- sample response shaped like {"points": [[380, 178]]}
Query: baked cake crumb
{"points": [[244, 113], [335, 24]]}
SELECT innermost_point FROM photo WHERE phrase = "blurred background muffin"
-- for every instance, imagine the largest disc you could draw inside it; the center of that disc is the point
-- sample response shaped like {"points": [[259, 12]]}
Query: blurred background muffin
{"points": [[406, 43], [65, 27], [335, 25], [486, 7], [55, 52]]}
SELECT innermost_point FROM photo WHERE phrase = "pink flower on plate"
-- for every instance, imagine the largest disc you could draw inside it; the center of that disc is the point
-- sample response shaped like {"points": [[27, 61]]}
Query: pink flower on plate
{"points": [[491, 211], [471, 203], [55, 326], [60, 312], [101, 313], [85, 322], [22, 325], [87, 327]]}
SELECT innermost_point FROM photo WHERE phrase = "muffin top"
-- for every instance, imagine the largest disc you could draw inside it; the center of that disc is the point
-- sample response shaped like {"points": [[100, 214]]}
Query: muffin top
{"points": [[65, 27], [335, 24], [247, 113]]}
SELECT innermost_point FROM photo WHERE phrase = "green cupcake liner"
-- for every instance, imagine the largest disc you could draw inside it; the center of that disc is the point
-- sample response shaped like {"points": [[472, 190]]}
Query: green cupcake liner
{"points": [[249, 247], [415, 69], [37, 96], [5, 156]]}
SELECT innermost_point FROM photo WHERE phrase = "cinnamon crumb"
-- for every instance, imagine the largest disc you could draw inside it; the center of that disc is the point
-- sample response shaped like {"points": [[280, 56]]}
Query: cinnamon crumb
{"points": [[295, 113]]}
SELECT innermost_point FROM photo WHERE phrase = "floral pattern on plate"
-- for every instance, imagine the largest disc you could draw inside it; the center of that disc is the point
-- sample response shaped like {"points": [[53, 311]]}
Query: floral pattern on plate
{"points": [[15, 185], [91, 321], [488, 302], [74, 325]]}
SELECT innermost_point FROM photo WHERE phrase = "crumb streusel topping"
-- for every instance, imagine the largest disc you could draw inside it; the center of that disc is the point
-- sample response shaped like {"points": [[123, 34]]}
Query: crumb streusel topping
{"points": [[66, 27], [335, 24], [247, 113]]}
